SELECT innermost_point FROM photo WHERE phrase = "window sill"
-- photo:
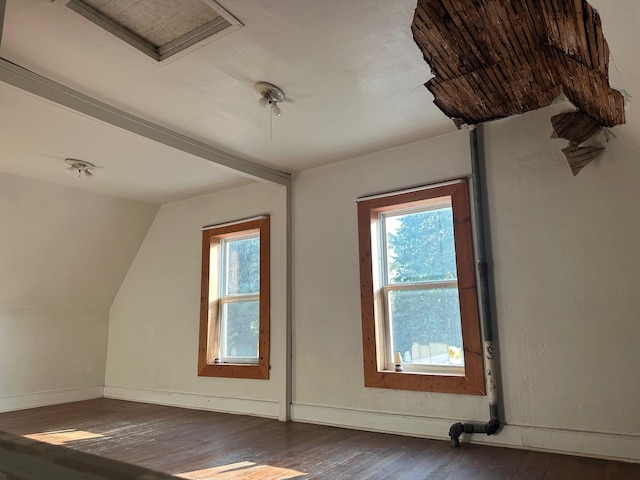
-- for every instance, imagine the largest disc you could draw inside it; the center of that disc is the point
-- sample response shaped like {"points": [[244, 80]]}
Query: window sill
{"points": [[445, 371], [441, 382], [243, 364], [235, 370]]}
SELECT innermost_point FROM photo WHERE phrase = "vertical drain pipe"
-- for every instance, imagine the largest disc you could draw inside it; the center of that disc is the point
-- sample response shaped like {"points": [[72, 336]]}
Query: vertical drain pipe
{"points": [[484, 298]]}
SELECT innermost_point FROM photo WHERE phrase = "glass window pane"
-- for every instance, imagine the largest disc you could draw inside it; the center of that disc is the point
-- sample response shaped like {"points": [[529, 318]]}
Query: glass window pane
{"points": [[425, 326], [420, 246], [242, 266], [240, 329]]}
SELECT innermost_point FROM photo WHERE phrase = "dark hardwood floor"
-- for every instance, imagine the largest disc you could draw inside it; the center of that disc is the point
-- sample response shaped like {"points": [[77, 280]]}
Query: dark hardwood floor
{"points": [[206, 445]]}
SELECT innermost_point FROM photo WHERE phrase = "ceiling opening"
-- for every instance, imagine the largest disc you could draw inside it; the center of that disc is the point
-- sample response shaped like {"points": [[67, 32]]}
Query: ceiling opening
{"points": [[494, 59], [158, 29]]}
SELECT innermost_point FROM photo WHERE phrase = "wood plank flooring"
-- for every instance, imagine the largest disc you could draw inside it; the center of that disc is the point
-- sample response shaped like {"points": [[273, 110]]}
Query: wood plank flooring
{"points": [[207, 445]]}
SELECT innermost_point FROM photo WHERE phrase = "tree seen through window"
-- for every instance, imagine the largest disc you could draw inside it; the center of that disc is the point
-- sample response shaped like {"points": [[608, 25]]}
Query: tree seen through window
{"points": [[424, 321]]}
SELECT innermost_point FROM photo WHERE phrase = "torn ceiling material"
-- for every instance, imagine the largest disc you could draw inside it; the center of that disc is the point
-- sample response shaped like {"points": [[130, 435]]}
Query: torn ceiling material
{"points": [[576, 127], [578, 157], [496, 58]]}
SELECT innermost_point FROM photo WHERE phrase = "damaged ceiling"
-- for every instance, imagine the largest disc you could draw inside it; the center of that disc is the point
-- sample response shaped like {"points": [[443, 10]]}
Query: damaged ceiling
{"points": [[352, 74], [493, 59]]}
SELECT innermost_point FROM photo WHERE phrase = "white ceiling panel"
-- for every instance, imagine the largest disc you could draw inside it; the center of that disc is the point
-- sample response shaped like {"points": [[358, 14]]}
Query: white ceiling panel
{"points": [[352, 75], [351, 72], [36, 136]]}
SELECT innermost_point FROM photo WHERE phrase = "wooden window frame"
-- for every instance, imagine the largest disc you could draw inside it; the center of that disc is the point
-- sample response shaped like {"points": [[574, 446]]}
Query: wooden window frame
{"points": [[209, 300], [471, 381]]}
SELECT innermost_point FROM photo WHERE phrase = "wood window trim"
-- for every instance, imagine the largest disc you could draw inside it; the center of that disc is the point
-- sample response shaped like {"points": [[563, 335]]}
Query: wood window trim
{"points": [[472, 382], [208, 333]]}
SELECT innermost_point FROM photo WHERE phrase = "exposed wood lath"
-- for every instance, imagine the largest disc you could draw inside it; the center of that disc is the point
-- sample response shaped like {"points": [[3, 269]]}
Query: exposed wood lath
{"points": [[496, 58], [578, 157], [574, 126], [577, 127]]}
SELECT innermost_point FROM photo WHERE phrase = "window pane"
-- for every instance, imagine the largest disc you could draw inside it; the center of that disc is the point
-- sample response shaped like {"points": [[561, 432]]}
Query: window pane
{"points": [[425, 326], [242, 266], [420, 246], [240, 330]]}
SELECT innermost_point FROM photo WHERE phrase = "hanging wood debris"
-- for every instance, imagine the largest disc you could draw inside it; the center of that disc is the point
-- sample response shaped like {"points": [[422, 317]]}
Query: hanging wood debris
{"points": [[496, 58], [574, 126], [579, 157]]}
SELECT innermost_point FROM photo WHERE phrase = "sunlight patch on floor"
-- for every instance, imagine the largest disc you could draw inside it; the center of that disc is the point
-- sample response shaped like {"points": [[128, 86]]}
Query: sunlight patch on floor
{"points": [[242, 471], [60, 437]]}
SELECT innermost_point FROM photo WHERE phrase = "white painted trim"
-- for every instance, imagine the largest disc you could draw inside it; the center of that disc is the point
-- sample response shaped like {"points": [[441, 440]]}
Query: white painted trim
{"points": [[224, 13], [96, 17], [286, 394], [196, 401], [19, 77], [589, 444], [409, 190], [156, 56], [10, 403]]}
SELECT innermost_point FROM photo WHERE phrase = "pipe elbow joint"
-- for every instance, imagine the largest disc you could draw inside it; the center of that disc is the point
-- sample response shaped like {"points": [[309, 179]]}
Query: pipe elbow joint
{"points": [[454, 432], [493, 426], [456, 429]]}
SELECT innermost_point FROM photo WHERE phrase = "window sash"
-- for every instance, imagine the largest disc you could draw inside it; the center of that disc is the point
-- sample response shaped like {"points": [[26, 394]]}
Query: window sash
{"points": [[226, 298], [388, 288], [225, 271], [222, 335], [421, 285], [468, 379], [243, 297], [211, 299], [435, 204], [389, 363]]}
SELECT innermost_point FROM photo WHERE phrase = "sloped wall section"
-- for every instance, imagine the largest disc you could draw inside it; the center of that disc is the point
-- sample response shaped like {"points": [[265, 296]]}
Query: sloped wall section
{"points": [[153, 328], [64, 254]]}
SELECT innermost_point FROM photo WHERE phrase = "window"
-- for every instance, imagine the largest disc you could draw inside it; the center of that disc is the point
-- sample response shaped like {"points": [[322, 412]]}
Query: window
{"points": [[418, 291], [234, 309]]}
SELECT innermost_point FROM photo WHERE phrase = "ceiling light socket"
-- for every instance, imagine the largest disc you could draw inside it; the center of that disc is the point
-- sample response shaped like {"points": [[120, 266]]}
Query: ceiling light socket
{"points": [[79, 167], [269, 91]]}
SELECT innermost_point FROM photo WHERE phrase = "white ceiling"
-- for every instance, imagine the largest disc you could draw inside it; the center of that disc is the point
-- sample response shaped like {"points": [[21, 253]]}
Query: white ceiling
{"points": [[350, 69]]}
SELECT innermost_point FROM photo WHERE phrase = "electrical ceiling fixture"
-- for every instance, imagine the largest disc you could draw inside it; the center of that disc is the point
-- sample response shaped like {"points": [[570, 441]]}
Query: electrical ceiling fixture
{"points": [[270, 96], [80, 167]]}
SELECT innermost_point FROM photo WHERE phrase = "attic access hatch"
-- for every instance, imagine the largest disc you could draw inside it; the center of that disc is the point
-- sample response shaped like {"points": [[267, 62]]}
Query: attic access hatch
{"points": [[158, 29]]}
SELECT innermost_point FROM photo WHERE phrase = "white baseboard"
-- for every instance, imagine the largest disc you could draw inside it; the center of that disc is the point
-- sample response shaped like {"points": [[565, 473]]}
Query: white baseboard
{"points": [[243, 406], [53, 397], [591, 444], [599, 445]]}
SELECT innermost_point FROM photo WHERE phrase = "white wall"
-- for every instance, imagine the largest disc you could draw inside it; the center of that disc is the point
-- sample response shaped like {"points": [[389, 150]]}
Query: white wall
{"points": [[63, 253], [153, 331], [565, 265]]}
